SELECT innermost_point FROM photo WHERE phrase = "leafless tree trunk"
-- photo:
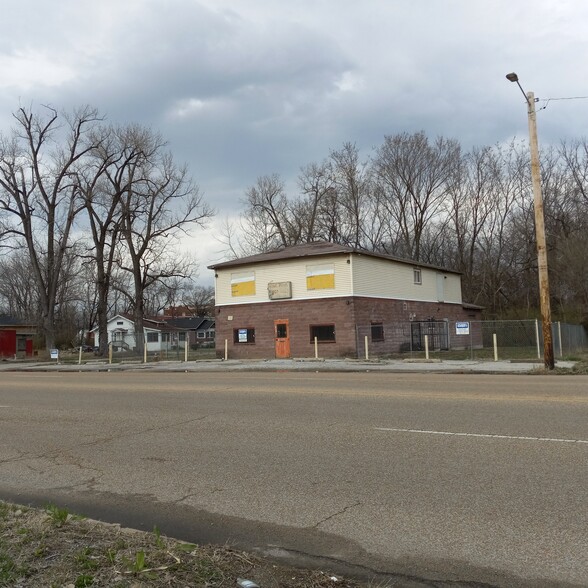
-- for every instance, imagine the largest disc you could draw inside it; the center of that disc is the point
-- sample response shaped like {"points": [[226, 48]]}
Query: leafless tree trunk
{"points": [[414, 176], [267, 218], [39, 197], [159, 204]]}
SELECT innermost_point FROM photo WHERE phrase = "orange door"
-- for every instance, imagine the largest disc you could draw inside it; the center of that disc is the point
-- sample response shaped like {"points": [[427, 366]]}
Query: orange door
{"points": [[282, 333]]}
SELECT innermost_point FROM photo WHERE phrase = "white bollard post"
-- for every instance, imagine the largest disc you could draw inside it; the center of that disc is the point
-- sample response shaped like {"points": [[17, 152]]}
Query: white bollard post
{"points": [[110, 352], [367, 351], [186, 341], [495, 342], [315, 348], [426, 346], [145, 348], [537, 339], [226, 349], [560, 341], [80, 356]]}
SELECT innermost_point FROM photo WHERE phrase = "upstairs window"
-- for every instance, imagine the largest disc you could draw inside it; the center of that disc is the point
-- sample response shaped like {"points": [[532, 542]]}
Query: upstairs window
{"points": [[417, 276], [243, 283], [320, 276]]}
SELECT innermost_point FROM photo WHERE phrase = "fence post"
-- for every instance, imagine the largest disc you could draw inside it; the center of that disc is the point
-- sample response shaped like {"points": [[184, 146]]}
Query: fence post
{"points": [[226, 349], [560, 341], [367, 350], [316, 348], [426, 346], [537, 339], [145, 348], [110, 352], [472, 339], [495, 342], [186, 341]]}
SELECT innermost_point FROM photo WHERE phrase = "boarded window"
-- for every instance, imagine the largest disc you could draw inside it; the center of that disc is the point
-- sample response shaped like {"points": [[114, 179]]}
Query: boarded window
{"points": [[243, 284], [244, 335], [320, 277], [377, 332], [323, 333]]}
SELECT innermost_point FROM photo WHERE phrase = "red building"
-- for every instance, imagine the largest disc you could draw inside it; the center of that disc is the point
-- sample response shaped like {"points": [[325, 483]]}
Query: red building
{"points": [[16, 338]]}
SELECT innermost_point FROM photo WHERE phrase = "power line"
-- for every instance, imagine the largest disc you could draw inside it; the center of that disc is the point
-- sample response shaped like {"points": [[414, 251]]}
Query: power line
{"points": [[548, 100], [568, 98]]}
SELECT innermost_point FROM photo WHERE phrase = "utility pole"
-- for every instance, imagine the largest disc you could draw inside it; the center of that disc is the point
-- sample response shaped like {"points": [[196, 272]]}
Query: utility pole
{"points": [[548, 358]]}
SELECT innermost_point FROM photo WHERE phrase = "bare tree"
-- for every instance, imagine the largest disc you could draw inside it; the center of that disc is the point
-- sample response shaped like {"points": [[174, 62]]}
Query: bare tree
{"points": [[352, 184], [39, 197], [575, 156], [200, 299], [159, 205], [18, 287], [317, 185], [414, 176], [268, 220], [472, 197]]}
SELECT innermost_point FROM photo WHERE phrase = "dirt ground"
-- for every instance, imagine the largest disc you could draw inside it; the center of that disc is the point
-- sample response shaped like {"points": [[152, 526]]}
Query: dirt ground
{"points": [[56, 549]]}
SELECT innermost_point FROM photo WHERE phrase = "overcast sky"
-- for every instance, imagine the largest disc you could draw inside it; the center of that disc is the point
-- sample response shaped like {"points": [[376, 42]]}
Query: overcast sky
{"points": [[243, 88]]}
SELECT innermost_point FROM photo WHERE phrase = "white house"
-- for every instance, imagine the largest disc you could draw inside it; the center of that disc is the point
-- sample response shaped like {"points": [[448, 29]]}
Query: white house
{"points": [[158, 334]]}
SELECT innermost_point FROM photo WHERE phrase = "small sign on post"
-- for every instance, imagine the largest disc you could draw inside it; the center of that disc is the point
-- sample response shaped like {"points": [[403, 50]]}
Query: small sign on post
{"points": [[54, 354]]}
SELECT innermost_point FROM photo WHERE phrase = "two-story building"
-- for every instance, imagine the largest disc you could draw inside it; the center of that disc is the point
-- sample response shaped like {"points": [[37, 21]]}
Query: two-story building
{"points": [[282, 303]]}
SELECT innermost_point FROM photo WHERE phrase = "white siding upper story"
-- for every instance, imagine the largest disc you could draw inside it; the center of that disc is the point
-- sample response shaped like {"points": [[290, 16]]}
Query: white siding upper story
{"points": [[295, 271], [382, 278], [331, 276]]}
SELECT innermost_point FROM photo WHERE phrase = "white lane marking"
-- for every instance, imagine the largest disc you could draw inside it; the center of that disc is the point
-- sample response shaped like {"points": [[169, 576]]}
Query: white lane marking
{"points": [[4, 406], [485, 436]]}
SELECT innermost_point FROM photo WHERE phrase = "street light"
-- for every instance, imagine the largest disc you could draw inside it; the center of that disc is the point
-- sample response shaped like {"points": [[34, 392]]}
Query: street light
{"points": [[548, 359]]}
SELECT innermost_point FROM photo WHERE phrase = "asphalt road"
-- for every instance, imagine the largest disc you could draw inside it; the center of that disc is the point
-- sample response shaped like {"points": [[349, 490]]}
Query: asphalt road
{"points": [[357, 468]]}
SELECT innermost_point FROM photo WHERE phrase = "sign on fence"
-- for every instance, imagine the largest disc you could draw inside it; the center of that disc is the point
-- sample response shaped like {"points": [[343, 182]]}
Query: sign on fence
{"points": [[462, 328]]}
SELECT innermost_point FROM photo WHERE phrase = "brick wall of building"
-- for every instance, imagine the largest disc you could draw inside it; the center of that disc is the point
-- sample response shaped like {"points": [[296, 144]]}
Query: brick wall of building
{"points": [[345, 313], [397, 316], [300, 315]]}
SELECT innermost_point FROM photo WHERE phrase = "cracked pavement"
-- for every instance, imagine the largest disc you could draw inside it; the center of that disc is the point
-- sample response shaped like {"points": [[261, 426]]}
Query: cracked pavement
{"points": [[294, 465]]}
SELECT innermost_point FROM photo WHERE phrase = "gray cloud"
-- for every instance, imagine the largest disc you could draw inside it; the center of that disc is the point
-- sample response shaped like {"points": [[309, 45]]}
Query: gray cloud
{"points": [[254, 87]]}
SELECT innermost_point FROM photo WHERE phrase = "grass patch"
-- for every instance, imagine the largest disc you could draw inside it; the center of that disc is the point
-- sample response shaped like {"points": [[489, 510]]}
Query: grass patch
{"points": [[73, 551]]}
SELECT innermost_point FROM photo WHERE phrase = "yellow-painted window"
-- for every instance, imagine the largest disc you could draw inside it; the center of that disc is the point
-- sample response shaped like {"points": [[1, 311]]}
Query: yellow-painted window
{"points": [[243, 284], [320, 277]]}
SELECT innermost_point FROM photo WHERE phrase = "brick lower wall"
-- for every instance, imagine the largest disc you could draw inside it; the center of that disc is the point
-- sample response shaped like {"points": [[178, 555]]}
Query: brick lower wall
{"points": [[300, 315], [396, 316], [345, 313]]}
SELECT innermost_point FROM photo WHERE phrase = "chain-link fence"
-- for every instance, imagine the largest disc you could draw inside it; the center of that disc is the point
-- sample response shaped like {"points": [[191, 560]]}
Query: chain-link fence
{"points": [[159, 346], [489, 340]]}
